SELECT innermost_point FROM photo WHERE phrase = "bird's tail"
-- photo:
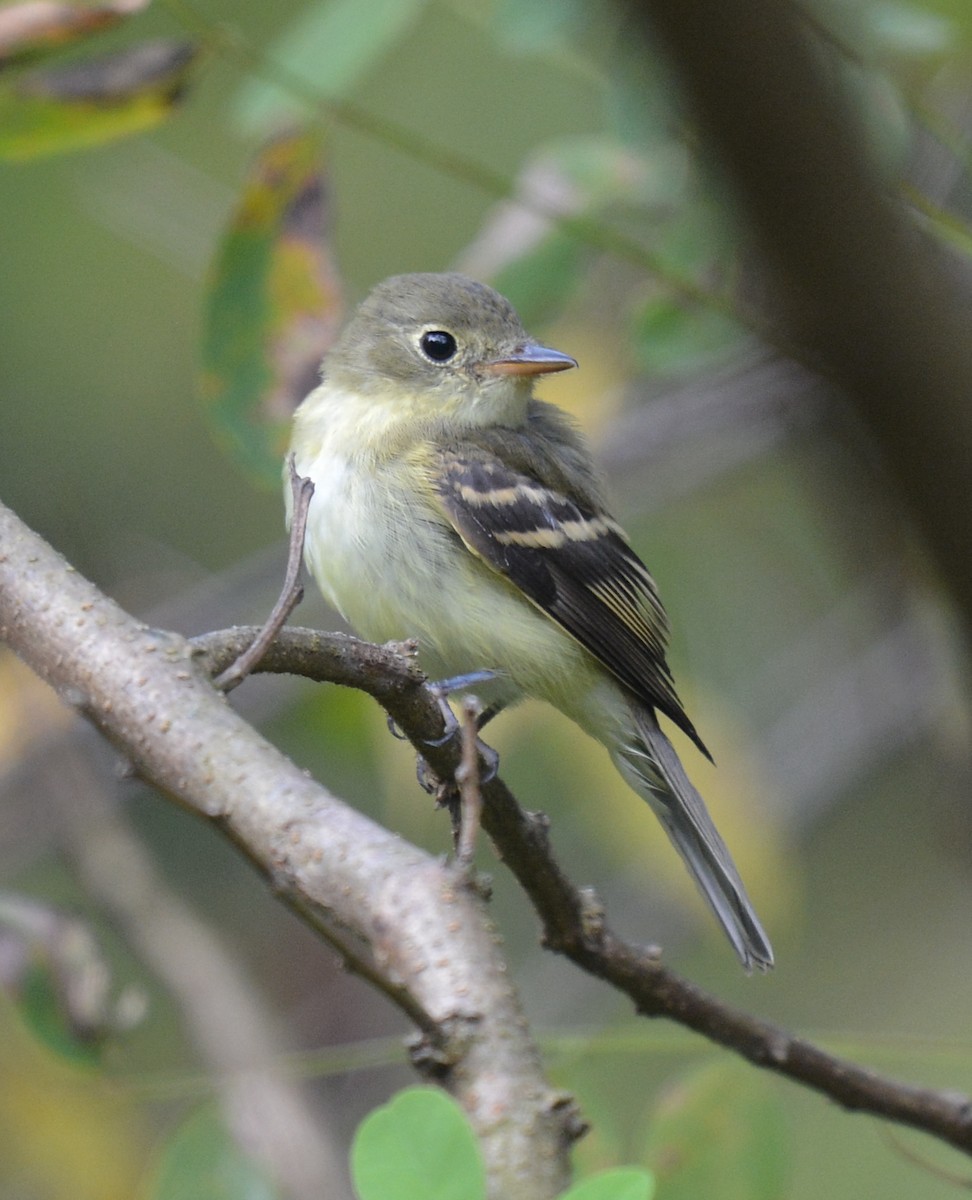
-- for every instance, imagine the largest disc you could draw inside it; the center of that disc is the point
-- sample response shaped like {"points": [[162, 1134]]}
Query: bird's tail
{"points": [[649, 763]]}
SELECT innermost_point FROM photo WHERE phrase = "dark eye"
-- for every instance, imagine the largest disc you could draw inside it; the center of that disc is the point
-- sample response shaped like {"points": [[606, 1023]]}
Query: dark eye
{"points": [[438, 345]]}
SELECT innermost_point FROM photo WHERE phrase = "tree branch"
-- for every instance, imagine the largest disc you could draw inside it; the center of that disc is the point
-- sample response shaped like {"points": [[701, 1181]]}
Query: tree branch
{"points": [[357, 883], [573, 922], [398, 916], [871, 301]]}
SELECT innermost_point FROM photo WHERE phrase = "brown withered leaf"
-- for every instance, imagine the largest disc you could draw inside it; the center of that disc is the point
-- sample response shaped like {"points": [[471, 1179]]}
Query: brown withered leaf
{"points": [[35, 28], [80, 104], [275, 304]]}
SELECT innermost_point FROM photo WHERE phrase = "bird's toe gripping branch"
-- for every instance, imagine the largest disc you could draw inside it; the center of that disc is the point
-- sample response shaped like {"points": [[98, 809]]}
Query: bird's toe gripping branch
{"points": [[428, 780]]}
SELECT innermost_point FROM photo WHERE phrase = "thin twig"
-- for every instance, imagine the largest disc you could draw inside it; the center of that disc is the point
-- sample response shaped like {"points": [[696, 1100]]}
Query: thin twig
{"points": [[292, 592], [467, 779], [573, 922], [924, 1164]]}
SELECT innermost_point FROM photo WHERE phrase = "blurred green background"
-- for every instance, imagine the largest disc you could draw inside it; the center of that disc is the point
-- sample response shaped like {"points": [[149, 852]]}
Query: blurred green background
{"points": [[811, 643]]}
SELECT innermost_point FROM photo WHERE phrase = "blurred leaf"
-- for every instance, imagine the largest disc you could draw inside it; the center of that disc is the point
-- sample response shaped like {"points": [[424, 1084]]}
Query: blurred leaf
{"points": [[908, 29], [622, 1183], [64, 1131], [540, 283], [695, 238], [419, 1146], [883, 114], [45, 1015], [203, 1162], [538, 26], [92, 101], [642, 97], [274, 305], [718, 1132], [29, 710], [958, 13], [330, 46], [52, 964], [674, 339], [524, 252], [30, 30], [946, 226]]}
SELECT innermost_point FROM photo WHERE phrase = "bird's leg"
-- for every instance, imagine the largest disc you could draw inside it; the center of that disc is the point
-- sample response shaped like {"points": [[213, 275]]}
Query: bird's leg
{"points": [[441, 689]]}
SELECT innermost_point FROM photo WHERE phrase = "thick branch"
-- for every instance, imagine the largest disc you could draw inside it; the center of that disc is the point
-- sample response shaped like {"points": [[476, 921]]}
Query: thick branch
{"points": [[574, 924], [869, 299], [400, 917]]}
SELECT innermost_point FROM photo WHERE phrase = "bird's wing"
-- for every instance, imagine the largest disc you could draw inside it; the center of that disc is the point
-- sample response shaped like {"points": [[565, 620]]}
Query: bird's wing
{"points": [[573, 562]]}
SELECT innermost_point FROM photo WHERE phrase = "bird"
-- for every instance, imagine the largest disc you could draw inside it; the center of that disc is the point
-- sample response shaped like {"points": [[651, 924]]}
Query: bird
{"points": [[454, 507]]}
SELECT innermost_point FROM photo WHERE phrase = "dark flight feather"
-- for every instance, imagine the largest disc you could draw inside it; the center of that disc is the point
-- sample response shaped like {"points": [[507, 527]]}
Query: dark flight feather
{"points": [[569, 558]]}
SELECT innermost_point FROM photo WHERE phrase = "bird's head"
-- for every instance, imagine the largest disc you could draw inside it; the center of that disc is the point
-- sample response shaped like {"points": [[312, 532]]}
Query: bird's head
{"points": [[441, 342]]}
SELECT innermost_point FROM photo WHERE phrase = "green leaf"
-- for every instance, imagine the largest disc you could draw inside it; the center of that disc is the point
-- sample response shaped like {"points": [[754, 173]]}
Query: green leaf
{"points": [[642, 95], [536, 262], [621, 1183], [675, 339], [419, 1146], [324, 53], [907, 29], [274, 305], [33, 29], [718, 1132], [56, 971], [42, 1007], [203, 1162], [539, 283], [93, 100], [950, 229], [538, 26], [958, 14]]}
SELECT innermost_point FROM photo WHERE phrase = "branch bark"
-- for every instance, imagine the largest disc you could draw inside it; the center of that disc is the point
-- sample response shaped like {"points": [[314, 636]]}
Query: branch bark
{"points": [[400, 918]]}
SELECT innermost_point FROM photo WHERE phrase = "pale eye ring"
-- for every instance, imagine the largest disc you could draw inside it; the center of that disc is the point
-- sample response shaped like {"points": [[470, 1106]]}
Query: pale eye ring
{"points": [[438, 344]]}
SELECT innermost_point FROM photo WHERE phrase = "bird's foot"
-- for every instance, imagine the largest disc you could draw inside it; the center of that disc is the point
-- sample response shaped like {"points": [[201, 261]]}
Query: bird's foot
{"points": [[442, 689], [430, 782], [459, 683], [446, 791]]}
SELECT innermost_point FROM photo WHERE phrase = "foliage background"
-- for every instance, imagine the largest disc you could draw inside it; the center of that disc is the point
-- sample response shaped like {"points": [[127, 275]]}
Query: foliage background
{"points": [[812, 643]]}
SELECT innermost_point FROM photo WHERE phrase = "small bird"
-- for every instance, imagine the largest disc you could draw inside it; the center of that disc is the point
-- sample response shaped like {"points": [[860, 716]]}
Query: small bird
{"points": [[453, 507]]}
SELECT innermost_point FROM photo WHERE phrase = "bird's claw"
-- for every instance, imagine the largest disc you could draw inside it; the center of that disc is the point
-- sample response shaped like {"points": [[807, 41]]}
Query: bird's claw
{"points": [[394, 730], [449, 717], [491, 758], [432, 785], [441, 689]]}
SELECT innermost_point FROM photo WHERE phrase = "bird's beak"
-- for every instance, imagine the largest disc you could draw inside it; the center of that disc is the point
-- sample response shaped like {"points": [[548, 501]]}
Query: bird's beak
{"points": [[530, 359]]}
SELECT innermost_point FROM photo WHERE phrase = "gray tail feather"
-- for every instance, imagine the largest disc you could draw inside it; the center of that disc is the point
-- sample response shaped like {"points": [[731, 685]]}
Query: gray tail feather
{"points": [[654, 770]]}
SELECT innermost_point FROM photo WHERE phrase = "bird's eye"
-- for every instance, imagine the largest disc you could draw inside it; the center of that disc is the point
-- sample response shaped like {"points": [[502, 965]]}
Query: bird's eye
{"points": [[438, 345]]}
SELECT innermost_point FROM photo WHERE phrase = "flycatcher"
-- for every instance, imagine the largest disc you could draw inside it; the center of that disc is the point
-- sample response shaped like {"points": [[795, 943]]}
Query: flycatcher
{"points": [[452, 506]]}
